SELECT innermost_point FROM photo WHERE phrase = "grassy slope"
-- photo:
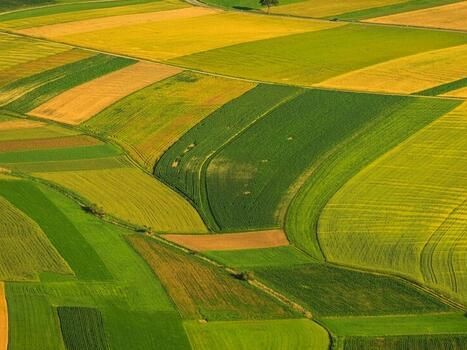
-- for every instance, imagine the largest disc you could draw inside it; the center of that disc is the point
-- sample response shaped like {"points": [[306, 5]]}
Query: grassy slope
{"points": [[347, 159], [328, 290], [203, 291], [249, 181], [184, 164], [147, 122], [256, 335], [316, 56], [137, 313], [405, 213]]}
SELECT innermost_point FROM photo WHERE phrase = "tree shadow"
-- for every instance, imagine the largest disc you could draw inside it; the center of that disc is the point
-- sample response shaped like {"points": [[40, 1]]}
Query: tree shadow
{"points": [[243, 8]]}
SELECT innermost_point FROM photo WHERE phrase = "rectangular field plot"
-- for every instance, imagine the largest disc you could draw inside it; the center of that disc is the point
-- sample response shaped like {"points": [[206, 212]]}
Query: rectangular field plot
{"points": [[314, 57], [257, 335], [231, 241], [452, 16], [204, 291], [149, 121], [420, 72], [442, 323], [84, 101], [132, 196], [82, 328], [26, 251], [333, 291], [421, 342], [406, 212], [252, 258], [3, 318], [190, 35], [48, 143]]}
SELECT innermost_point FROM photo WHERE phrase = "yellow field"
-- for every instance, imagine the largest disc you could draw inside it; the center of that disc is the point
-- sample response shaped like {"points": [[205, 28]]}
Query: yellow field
{"points": [[90, 14], [92, 25], [3, 319], [19, 124], [325, 8], [132, 196], [179, 37], [461, 93], [41, 64], [453, 16], [419, 72], [407, 212], [84, 101]]}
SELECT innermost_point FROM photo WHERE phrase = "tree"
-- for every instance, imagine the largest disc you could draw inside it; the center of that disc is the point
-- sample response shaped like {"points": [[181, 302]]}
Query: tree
{"points": [[269, 3]]}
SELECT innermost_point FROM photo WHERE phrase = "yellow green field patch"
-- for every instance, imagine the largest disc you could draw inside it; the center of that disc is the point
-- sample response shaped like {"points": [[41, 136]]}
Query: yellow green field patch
{"points": [[408, 74], [179, 37]]}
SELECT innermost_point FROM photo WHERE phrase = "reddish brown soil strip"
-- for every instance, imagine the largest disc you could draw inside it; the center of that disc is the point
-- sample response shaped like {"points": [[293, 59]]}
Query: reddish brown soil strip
{"points": [[54, 142], [3, 319], [231, 241]]}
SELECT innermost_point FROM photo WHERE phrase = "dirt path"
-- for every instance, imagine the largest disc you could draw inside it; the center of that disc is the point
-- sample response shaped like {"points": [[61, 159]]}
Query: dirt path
{"points": [[3, 319]]}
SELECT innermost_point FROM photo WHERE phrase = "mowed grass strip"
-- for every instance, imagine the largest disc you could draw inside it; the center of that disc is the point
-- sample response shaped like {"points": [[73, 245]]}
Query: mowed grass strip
{"points": [[84, 101], [451, 89], [82, 328], [184, 164], [270, 334], [38, 65], [203, 291], [132, 196], [450, 16], [421, 342], [17, 50], [91, 25], [149, 121], [251, 258], [61, 232], [316, 56], [333, 291], [421, 71], [3, 318], [231, 241], [26, 252], [205, 32], [69, 12], [47, 143], [422, 324], [25, 94], [406, 212]]}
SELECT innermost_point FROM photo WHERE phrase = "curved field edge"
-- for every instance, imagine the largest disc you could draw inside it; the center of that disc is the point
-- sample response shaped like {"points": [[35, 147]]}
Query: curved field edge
{"points": [[348, 158], [405, 212]]}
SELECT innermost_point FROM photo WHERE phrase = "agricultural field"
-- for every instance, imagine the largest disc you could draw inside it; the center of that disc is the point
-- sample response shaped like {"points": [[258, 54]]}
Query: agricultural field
{"points": [[233, 174]]}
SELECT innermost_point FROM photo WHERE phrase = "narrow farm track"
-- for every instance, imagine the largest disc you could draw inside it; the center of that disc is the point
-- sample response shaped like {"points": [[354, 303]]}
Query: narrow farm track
{"points": [[3, 319]]}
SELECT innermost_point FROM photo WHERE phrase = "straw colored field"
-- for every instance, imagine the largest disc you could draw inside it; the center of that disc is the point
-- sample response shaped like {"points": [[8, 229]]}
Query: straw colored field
{"points": [[26, 252], [421, 342], [251, 258], [149, 121], [64, 13], [443, 323], [452, 16], [420, 72], [82, 328], [3, 319], [36, 66], [91, 25], [84, 101], [343, 162], [19, 124], [133, 196], [326, 8], [231, 241], [25, 94], [314, 57], [46, 143], [191, 35], [202, 291], [406, 212], [15, 50], [462, 93], [257, 335], [333, 291]]}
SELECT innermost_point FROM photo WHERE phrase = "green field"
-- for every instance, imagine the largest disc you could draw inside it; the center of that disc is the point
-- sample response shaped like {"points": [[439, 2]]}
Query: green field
{"points": [[408, 342], [257, 335]]}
